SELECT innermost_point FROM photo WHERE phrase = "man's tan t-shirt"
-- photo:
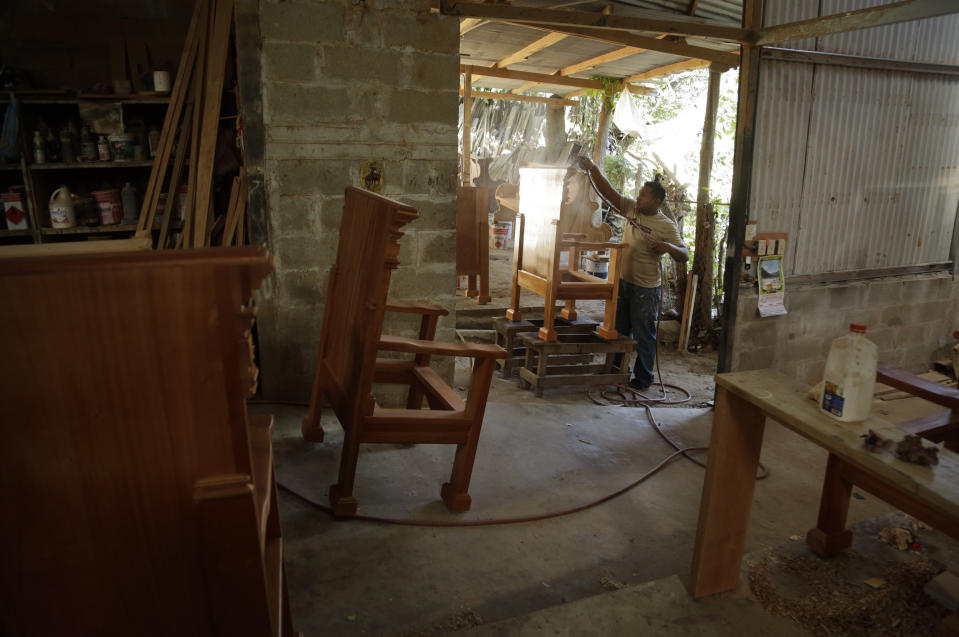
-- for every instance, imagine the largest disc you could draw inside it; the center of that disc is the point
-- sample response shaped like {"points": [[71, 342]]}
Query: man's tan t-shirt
{"points": [[640, 263]]}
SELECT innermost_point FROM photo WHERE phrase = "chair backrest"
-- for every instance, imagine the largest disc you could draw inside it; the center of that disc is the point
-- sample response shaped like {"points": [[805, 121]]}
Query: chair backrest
{"points": [[359, 284], [540, 201], [557, 194], [472, 209]]}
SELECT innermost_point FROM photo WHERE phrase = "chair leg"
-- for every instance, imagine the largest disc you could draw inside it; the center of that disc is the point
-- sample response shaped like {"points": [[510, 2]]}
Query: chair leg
{"points": [[569, 311], [471, 290], [310, 428], [341, 493], [455, 493], [831, 535]]}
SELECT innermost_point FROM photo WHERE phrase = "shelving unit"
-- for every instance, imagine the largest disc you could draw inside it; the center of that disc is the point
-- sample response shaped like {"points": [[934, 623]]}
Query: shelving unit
{"points": [[39, 180]]}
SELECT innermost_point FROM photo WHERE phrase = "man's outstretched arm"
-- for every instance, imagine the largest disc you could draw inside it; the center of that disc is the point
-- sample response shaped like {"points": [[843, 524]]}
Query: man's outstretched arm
{"points": [[601, 184]]}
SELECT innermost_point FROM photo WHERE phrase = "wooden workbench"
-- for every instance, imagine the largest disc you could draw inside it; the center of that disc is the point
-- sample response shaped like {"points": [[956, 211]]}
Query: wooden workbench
{"points": [[743, 401]]}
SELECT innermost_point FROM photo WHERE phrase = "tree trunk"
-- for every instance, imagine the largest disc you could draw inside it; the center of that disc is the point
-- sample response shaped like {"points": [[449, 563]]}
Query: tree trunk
{"points": [[702, 317], [602, 132], [555, 133]]}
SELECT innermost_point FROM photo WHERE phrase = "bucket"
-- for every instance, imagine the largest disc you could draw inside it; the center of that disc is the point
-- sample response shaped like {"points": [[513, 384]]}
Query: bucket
{"points": [[499, 236], [598, 267], [109, 206], [121, 147], [62, 212], [14, 211]]}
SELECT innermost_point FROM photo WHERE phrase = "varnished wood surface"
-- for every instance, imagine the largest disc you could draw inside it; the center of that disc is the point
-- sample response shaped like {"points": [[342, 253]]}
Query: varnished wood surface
{"points": [[784, 400], [347, 362], [124, 400], [744, 400]]}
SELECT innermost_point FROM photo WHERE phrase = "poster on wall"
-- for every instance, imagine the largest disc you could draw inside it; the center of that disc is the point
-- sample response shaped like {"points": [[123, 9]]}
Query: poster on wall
{"points": [[772, 286]]}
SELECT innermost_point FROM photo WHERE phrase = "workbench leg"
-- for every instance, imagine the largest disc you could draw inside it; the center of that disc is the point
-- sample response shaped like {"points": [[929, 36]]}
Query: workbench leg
{"points": [[831, 535], [734, 448]]}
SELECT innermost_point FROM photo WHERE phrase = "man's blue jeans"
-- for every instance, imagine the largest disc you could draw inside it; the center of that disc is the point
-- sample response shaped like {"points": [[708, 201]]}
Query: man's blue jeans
{"points": [[636, 314]]}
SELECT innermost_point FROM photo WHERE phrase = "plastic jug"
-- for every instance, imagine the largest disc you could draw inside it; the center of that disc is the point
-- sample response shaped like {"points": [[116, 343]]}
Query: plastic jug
{"points": [[62, 213], [849, 381]]}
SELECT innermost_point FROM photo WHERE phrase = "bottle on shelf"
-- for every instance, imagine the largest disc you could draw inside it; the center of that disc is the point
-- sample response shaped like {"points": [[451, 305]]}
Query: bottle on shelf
{"points": [[88, 147], [62, 212], [103, 149], [39, 149], [66, 146], [129, 198], [53, 146], [153, 140]]}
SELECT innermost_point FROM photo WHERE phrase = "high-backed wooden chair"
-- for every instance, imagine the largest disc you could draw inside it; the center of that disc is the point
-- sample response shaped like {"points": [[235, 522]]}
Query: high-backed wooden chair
{"points": [[347, 365], [558, 212], [472, 240]]}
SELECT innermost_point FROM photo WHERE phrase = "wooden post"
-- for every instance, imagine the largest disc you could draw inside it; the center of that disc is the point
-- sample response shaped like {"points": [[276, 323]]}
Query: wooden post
{"points": [[467, 124], [742, 174], [702, 316], [555, 131]]}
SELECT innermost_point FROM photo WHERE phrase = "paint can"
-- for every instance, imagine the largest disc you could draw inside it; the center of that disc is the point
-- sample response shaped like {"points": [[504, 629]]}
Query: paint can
{"points": [[14, 211], [109, 206], [598, 266], [499, 236]]}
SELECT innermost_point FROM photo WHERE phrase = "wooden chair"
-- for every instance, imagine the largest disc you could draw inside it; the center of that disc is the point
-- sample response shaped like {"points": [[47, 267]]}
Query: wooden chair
{"points": [[347, 365], [558, 212], [939, 427], [472, 240]]}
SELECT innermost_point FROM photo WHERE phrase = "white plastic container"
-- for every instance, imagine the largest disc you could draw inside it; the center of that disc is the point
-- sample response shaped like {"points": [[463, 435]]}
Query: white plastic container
{"points": [[62, 213], [849, 381]]}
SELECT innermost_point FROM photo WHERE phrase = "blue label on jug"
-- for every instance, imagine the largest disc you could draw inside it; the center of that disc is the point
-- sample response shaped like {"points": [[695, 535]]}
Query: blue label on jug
{"points": [[832, 400]]}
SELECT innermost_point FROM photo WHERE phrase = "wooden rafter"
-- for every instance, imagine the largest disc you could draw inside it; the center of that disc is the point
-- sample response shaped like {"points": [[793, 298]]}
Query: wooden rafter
{"points": [[654, 73], [468, 24], [853, 20], [559, 101], [652, 44], [547, 40], [692, 7], [539, 78], [612, 56], [655, 23]]}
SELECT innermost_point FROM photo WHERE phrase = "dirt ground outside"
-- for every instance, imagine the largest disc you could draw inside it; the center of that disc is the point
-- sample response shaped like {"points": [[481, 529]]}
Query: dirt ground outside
{"points": [[692, 372]]}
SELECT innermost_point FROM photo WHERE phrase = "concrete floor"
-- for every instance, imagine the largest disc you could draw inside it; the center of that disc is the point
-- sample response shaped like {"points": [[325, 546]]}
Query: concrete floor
{"points": [[535, 456]]}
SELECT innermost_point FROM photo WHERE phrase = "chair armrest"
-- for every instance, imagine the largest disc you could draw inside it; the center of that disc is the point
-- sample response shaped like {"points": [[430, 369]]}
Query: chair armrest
{"points": [[594, 245], [573, 236], [933, 392], [414, 346], [416, 308]]}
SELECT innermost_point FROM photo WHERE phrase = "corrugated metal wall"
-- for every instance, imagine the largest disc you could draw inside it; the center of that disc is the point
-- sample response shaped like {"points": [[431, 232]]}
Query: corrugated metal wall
{"points": [[860, 166]]}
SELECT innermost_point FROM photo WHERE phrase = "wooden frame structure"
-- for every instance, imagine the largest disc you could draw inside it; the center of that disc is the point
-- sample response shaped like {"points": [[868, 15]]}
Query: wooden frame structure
{"points": [[556, 214], [347, 363], [139, 498], [472, 240]]}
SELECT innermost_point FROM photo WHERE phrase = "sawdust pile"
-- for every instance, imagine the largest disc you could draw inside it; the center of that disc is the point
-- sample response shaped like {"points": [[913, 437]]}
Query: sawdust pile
{"points": [[816, 594]]}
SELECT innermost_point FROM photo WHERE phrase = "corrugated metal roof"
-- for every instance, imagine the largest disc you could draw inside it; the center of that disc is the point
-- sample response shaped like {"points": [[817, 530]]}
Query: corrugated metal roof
{"points": [[859, 166]]}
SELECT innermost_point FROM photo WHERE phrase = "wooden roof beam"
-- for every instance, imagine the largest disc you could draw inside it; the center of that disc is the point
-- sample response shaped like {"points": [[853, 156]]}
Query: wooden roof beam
{"points": [[612, 56], [468, 24], [692, 7], [664, 45], [537, 78], [654, 73], [558, 17], [558, 101], [540, 44], [892, 13]]}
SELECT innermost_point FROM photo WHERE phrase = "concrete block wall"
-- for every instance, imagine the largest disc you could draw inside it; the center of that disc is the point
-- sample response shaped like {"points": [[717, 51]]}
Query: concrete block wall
{"points": [[910, 318], [347, 82]]}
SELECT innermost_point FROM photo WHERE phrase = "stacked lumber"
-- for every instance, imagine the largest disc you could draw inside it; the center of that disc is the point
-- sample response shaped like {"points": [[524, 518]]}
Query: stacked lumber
{"points": [[190, 129]]}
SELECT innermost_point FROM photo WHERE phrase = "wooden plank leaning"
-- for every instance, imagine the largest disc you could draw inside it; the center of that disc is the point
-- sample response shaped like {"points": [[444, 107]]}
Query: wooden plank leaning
{"points": [[212, 94], [171, 121]]}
